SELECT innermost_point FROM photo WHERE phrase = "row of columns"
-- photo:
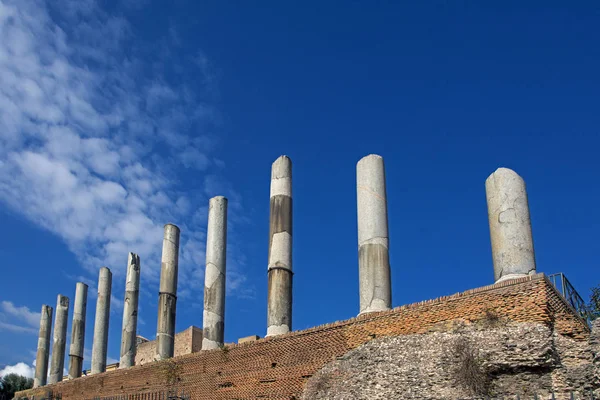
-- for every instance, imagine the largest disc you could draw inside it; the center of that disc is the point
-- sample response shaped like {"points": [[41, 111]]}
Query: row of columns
{"points": [[512, 253], [76, 348]]}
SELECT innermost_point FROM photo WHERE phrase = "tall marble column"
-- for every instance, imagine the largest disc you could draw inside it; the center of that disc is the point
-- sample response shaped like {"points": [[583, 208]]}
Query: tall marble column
{"points": [[130, 312], [100, 343], [57, 364], [510, 225], [43, 349], [78, 331], [373, 239], [167, 300], [279, 311], [214, 276]]}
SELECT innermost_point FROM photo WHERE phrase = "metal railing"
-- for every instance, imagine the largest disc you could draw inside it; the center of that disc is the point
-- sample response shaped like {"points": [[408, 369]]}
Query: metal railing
{"points": [[566, 289]]}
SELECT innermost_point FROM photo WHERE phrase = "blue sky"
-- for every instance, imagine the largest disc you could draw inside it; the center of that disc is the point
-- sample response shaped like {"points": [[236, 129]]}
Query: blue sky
{"points": [[118, 117]]}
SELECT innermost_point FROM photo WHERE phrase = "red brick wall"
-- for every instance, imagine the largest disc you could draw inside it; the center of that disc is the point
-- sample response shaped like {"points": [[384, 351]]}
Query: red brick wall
{"points": [[278, 367]]}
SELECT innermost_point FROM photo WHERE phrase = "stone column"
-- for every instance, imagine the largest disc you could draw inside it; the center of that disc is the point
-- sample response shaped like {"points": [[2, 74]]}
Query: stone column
{"points": [[279, 311], [510, 225], [373, 239], [78, 331], [167, 298], [130, 312], [43, 349], [214, 275], [100, 343], [57, 364]]}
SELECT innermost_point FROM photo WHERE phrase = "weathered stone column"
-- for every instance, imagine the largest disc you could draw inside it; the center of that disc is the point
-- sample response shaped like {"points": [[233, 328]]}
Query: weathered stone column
{"points": [[167, 298], [373, 239], [100, 343], [130, 312], [78, 331], [510, 225], [57, 363], [279, 311], [43, 349], [214, 275]]}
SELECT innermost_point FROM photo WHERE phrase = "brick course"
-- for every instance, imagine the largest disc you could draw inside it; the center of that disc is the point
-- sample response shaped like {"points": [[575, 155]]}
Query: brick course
{"points": [[278, 367]]}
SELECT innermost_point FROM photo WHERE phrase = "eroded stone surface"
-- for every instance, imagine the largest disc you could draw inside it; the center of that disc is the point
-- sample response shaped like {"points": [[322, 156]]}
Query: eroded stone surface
{"points": [[279, 302], [130, 312], [57, 363], [167, 299], [78, 331], [510, 225], [100, 342], [520, 359], [43, 348], [373, 240], [215, 274]]}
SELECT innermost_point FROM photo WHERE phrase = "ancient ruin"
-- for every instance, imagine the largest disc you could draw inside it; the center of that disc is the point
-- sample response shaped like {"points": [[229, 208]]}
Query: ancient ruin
{"points": [[373, 240], [101, 325], [43, 349], [167, 298], [510, 225], [279, 300], [518, 336], [78, 331], [57, 364], [214, 274], [130, 312]]}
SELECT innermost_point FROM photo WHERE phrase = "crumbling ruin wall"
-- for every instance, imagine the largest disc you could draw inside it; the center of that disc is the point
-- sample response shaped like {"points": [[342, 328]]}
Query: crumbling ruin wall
{"points": [[279, 367], [486, 358]]}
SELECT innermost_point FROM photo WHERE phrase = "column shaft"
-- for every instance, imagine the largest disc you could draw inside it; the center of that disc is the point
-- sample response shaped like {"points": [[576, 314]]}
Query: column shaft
{"points": [[373, 239], [78, 331], [279, 308], [100, 343], [510, 225], [214, 276], [167, 299], [130, 312], [57, 363], [43, 349]]}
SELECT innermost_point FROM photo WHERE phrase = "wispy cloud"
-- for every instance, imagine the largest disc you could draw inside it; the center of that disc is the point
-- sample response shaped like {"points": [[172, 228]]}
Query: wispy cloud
{"points": [[18, 318], [95, 139]]}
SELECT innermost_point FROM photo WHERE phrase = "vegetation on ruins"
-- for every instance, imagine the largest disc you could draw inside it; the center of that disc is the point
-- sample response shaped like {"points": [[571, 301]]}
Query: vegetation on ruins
{"points": [[469, 371], [11, 383], [172, 371]]}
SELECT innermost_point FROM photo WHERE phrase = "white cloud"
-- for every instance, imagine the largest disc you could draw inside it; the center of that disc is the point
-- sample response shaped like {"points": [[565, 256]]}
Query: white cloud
{"points": [[18, 318], [94, 137], [19, 369]]}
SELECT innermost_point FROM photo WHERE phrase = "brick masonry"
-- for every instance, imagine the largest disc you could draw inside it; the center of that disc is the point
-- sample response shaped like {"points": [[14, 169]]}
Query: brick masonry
{"points": [[278, 367], [186, 342]]}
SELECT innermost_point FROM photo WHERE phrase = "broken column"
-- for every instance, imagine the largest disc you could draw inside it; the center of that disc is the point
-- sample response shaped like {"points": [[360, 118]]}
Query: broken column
{"points": [[279, 311], [130, 312], [510, 225], [214, 275], [373, 239], [100, 343], [167, 298], [78, 331], [57, 363], [43, 349]]}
